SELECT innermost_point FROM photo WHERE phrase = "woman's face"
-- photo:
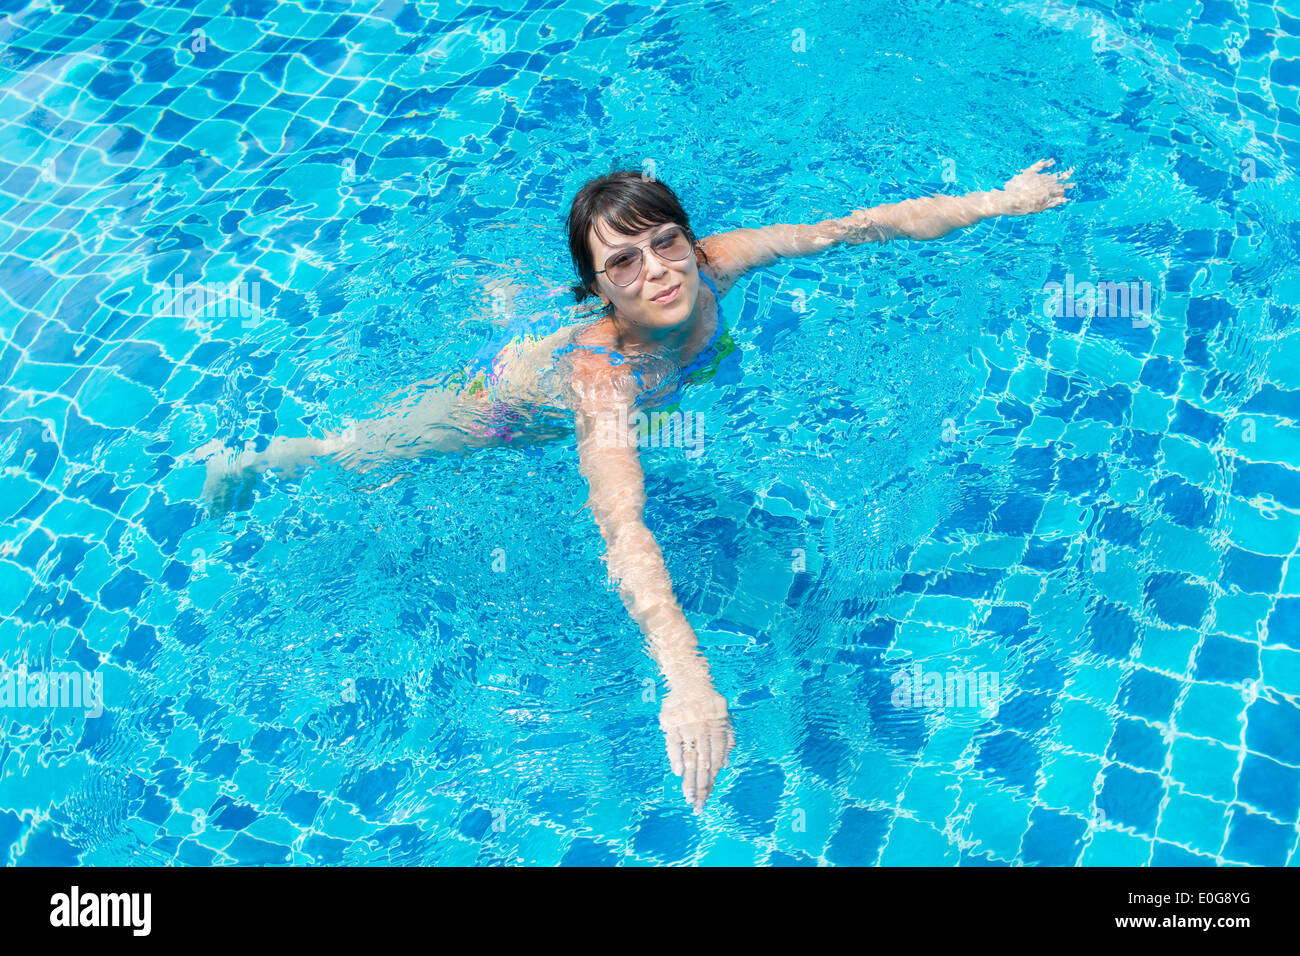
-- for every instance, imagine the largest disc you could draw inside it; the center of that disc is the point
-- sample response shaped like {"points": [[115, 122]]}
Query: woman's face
{"points": [[637, 302]]}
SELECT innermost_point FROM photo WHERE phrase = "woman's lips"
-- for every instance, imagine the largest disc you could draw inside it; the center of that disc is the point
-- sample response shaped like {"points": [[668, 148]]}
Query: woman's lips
{"points": [[665, 297]]}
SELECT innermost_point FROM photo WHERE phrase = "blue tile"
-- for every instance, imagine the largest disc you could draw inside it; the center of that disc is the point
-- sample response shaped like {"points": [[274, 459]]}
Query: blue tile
{"points": [[1120, 527], [1131, 798], [585, 851], [1137, 743], [1012, 757], [250, 851], [1161, 374], [301, 807], [1197, 423], [1146, 693], [1046, 555], [755, 797], [1284, 623], [1254, 838], [47, 847], [1110, 405], [1018, 515], [859, 838], [1053, 839], [1268, 785], [981, 859], [1006, 619], [785, 859], [1026, 712], [228, 814], [194, 854], [1184, 503], [1272, 400], [1265, 479], [1113, 630], [824, 751], [10, 828], [1176, 600], [968, 584], [1254, 573], [125, 590], [1168, 854], [667, 834], [1271, 729], [1141, 447], [1227, 660], [1032, 466], [1085, 477]]}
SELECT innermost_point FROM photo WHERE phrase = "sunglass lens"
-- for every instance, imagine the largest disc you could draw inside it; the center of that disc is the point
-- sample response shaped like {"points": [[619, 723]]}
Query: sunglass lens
{"points": [[623, 268], [672, 245]]}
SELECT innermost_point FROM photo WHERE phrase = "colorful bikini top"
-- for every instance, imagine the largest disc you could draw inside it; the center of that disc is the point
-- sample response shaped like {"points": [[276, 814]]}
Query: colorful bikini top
{"points": [[701, 368]]}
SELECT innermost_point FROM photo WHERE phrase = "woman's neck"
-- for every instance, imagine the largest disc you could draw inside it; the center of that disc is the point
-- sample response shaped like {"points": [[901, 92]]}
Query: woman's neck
{"points": [[674, 339]]}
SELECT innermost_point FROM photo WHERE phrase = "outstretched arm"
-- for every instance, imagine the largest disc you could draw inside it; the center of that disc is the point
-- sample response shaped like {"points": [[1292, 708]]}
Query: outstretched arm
{"points": [[694, 718], [734, 253]]}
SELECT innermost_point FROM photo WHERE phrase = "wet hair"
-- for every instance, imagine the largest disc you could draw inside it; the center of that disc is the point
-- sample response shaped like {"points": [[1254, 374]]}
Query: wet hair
{"points": [[627, 203]]}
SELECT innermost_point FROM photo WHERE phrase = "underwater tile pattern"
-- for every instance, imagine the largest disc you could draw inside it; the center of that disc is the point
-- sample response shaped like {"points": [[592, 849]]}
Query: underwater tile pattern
{"points": [[1117, 516]]}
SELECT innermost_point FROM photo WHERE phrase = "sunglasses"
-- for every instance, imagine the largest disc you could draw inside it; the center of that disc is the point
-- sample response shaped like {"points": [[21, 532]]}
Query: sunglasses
{"points": [[624, 266]]}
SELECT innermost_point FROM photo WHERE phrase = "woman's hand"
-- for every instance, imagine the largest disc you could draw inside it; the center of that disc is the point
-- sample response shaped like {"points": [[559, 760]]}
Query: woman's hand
{"points": [[698, 734], [1031, 190]]}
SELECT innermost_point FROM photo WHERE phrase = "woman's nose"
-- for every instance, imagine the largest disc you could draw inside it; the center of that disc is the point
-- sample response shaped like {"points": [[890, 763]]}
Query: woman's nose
{"points": [[654, 266]]}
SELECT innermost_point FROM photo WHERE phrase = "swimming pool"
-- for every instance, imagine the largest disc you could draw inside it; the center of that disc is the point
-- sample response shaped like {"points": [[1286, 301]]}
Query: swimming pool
{"points": [[925, 463]]}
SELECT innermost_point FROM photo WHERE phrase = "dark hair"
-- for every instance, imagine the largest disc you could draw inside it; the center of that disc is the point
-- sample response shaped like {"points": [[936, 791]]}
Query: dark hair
{"points": [[627, 201]]}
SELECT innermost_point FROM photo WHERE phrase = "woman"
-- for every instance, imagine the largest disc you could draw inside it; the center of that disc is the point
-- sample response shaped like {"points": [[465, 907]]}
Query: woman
{"points": [[661, 327]]}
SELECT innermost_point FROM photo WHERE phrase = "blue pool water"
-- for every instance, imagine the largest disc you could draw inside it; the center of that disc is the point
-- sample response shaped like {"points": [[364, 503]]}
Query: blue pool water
{"points": [[912, 467]]}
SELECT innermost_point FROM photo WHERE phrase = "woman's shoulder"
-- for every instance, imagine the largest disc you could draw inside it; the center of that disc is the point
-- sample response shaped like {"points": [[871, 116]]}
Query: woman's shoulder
{"points": [[724, 267], [592, 381]]}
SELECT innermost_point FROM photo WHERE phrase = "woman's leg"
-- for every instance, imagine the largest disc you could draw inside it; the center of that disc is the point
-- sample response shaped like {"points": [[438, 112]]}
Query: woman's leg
{"points": [[438, 421]]}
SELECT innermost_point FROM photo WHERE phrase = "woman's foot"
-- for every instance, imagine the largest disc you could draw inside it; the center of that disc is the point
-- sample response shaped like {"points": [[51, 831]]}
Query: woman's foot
{"points": [[230, 480]]}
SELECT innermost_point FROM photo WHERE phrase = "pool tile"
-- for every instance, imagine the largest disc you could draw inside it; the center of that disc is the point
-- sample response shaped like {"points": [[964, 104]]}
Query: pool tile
{"points": [[915, 843], [1193, 822], [1205, 767], [997, 819], [1270, 786], [1117, 848], [1131, 798], [1053, 839], [1254, 838], [1212, 710]]}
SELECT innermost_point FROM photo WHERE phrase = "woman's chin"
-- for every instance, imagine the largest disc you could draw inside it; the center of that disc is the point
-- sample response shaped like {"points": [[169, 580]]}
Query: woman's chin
{"points": [[669, 316]]}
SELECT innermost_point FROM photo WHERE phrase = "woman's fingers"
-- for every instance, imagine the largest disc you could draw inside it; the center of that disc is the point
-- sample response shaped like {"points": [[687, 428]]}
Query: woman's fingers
{"points": [[718, 745], [697, 752], [689, 762], [673, 741], [707, 771]]}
